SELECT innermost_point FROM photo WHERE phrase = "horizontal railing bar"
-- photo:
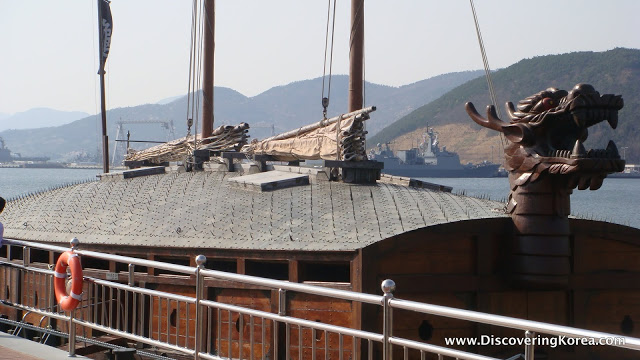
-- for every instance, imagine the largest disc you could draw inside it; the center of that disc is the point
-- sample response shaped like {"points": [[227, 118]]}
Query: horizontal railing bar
{"points": [[134, 337], [111, 257], [140, 290], [513, 323], [80, 338], [57, 316], [286, 285], [141, 262], [248, 279], [295, 321], [41, 246], [27, 268], [437, 349], [210, 356]]}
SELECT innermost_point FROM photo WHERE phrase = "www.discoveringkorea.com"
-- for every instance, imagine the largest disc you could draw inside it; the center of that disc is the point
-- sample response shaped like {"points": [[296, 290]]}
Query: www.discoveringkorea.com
{"points": [[553, 341]]}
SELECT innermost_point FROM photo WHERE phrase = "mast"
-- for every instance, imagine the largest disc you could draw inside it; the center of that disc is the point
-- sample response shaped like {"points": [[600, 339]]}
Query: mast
{"points": [[356, 54], [208, 71], [104, 39], [105, 138]]}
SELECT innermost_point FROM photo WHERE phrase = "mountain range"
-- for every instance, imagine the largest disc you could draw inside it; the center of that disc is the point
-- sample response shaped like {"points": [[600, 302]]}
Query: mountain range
{"points": [[278, 109], [38, 118], [403, 115]]}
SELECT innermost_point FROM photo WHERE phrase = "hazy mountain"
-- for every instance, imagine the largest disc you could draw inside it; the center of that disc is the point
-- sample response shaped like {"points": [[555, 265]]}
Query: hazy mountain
{"points": [[39, 117], [169, 99], [283, 108], [438, 102], [616, 71], [293, 103]]}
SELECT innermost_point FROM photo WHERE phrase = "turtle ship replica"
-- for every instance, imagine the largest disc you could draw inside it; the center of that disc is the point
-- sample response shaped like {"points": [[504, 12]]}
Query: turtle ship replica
{"points": [[345, 226]]}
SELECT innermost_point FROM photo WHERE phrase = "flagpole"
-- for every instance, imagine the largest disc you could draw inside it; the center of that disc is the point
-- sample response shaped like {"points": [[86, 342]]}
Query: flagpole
{"points": [[103, 109]]}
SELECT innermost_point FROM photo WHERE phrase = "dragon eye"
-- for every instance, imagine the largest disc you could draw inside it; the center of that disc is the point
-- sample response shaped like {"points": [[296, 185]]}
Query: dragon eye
{"points": [[548, 103]]}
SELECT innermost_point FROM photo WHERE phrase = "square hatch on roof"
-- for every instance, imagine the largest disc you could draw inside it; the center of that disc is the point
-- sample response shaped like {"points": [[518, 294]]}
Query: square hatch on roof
{"points": [[271, 180]]}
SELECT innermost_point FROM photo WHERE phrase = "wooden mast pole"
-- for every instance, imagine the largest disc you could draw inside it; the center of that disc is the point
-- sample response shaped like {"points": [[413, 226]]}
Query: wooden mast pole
{"points": [[356, 54], [103, 106], [208, 71]]}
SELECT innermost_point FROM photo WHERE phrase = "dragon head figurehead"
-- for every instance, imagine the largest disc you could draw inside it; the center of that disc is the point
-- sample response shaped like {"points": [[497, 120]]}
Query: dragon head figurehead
{"points": [[547, 131], [546, 159]]}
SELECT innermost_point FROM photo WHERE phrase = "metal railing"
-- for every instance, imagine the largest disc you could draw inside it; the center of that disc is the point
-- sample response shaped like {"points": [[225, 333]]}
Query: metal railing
{"points": [[204, 329]]}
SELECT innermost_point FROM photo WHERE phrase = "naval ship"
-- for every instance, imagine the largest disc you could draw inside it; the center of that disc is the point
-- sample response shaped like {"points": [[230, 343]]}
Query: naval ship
{"points": [[429, 160]]}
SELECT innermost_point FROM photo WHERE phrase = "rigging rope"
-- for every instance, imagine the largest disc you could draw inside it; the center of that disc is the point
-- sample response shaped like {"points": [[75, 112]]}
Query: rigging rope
{"points": [[191, 60], [195, 66], [325, 100], [487, 69], [198, 72]]}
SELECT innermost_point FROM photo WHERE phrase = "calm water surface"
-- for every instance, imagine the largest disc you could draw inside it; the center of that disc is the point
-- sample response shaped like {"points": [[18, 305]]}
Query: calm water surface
{"points": [[18, 181], [616, 201]]}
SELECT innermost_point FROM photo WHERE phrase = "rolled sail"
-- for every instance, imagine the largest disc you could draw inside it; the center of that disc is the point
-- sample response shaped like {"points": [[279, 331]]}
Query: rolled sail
{"points": [[224, 138], [338, 138]]}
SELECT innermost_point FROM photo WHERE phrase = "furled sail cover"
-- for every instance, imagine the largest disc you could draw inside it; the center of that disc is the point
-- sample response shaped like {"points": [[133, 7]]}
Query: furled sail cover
{"points": [[106, 28], [339, 138], [224, 138]]}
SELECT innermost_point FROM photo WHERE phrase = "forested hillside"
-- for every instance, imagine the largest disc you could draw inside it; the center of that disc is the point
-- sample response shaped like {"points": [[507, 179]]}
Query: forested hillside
{"points": [[616, 71]]}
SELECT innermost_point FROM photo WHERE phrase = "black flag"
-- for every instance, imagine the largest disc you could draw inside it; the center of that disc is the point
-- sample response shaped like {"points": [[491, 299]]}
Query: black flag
{"points": [[106, 28]]}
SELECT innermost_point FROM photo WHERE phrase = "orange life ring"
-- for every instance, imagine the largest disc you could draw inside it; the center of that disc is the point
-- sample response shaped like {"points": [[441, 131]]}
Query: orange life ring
{"points": [[71, 301]]}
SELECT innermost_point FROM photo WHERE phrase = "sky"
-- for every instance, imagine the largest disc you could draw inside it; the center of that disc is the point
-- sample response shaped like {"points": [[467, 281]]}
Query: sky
{"points": [[48, 49]]}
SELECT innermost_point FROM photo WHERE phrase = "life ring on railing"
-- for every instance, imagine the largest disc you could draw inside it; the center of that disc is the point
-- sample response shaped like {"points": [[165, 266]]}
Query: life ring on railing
{"points": [[70, 301]]}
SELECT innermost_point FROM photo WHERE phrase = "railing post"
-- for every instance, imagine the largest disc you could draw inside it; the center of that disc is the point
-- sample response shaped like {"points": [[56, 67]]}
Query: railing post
{"points": [[282, 310], [72, 335], [388, 287], [529, 347], [26, 256], [131, 279], [24, 277], [200, 260], [74, 242], [51, 297]]}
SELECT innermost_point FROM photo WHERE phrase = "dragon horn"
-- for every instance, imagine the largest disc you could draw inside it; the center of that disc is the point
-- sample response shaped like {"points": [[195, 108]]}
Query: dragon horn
{"points": [[510, 110], [493, 121]]}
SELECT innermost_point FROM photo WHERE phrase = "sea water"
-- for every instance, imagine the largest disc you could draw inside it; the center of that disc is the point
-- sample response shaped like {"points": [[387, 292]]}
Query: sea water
{"points": [[20, 181], [616, 201]]}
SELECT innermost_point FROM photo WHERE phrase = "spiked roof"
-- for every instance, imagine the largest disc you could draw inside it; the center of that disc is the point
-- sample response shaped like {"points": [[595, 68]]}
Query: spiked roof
{"points": [[206, 210]]}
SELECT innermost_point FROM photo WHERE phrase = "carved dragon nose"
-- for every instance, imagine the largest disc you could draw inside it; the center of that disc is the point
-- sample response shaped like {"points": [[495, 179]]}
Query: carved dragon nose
{"points": [[589, 108], [582, 88]]}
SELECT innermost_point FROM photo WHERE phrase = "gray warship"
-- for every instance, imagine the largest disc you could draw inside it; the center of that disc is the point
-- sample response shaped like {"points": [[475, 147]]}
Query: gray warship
{"points": [[6, 157], [429, 160]]}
